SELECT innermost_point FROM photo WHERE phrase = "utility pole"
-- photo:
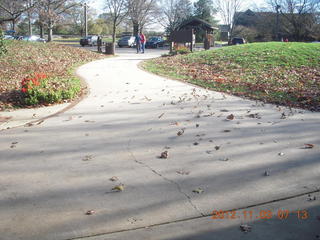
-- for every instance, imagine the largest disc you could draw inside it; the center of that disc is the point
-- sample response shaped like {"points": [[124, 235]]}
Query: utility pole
{"points": [[277, 24], [85, 8]]}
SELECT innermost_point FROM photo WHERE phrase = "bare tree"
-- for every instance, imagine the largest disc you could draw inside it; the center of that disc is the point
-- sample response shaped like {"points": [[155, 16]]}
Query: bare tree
{"points": [[14, 9], [173, 13], [140, 12], [51, 11], [228, 10], [117, 11], [299, 16]]}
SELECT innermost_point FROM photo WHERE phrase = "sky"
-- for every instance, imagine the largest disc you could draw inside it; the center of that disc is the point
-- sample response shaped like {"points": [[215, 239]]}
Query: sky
{"points": [[98, 5]]}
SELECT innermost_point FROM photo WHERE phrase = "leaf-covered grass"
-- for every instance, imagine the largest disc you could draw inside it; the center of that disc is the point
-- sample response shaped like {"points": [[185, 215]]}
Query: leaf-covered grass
{"points": [[281, 73], [24, 59]]}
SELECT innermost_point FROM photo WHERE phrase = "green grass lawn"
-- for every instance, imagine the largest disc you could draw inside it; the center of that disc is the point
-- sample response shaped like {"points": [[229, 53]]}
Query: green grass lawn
{"points": [[281, 73], [57, 62]]}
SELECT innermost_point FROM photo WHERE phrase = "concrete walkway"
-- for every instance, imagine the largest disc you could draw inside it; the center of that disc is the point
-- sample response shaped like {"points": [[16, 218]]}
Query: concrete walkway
{"points": [[53, 172]]}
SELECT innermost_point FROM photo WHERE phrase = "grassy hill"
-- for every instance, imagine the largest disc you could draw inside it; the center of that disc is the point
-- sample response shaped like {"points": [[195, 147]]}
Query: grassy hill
{"points": [[25, 60], [282, 73]]}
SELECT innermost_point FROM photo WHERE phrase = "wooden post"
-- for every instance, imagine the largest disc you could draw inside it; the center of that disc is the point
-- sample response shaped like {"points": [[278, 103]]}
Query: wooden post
{"points": [[191, 44], [99, 43], [171, 47]]}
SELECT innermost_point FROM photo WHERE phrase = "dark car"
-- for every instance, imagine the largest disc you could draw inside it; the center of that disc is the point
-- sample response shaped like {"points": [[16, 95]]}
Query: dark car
{"points": [[127, 41], [237, 40], [155, 42], [89, 40]]}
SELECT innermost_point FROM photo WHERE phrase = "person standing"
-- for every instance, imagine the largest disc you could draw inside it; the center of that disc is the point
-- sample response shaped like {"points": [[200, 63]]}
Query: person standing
{"points": [[143, 41], [138, 42]]}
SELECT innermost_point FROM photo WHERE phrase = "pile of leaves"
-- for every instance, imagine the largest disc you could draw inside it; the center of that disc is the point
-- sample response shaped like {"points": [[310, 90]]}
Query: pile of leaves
{"points": [[281, 73], [24, 60]]}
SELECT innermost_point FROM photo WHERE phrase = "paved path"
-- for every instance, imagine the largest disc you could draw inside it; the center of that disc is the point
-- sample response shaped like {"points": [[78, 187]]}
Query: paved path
{"points": [[51, 174]]}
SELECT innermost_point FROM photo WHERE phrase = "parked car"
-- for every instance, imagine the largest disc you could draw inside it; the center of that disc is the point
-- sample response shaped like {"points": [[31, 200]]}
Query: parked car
{"points": [[155, 42], [127, 41], [89, 40], [32, 39], [237, 40], [8, 37]]}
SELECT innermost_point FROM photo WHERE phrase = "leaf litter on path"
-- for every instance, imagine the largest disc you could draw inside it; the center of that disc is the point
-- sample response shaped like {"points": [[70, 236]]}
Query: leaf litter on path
{"points": [[164, 155], [198, 190], [118, 188]]}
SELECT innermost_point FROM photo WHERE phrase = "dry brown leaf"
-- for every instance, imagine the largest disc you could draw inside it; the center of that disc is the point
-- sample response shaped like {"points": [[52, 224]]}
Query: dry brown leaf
{"points": [[230, 117], [90, 212], [308, 146], [164, 155]]}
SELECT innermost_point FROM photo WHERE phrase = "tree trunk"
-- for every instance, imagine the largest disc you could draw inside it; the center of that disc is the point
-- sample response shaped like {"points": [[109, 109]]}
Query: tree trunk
{"points": [[41, 29], [114, 28], [50, 27], [135, 28], [29, 26], [13, 24]]}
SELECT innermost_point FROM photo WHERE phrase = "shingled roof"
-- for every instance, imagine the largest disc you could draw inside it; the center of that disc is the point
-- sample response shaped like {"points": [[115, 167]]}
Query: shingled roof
{"points": [[197, 22]]}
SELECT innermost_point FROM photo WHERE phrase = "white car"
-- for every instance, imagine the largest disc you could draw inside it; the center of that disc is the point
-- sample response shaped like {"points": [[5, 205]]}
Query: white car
{"points": [[127, 41], [8, 37]]}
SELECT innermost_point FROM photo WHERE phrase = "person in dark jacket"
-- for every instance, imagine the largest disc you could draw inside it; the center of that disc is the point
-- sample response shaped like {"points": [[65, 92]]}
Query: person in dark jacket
{"points": [[138, 42]]}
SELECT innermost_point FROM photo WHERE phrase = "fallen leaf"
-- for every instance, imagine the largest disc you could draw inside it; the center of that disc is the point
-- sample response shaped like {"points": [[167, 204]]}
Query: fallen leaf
{"points": [[254, 115], [113, 179], [118, 188], [87, 158], [308, 146], [198, 190], [311, 198], [90, 212], [180, 132], [164, 155], [245, 228], [230, 117], [182, 172]]}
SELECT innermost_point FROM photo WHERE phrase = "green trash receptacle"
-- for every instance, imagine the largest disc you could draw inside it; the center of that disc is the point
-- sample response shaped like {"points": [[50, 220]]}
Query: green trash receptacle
{"points": [[109, 48]]}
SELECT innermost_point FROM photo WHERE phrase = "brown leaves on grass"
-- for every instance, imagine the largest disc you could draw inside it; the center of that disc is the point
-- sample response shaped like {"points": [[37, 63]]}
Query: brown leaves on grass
{"points": [[289, 86], [25, 58]]}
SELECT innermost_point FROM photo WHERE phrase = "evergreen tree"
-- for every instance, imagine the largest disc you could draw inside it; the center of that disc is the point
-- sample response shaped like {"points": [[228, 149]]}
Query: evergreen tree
{"points": [[204, 10]]}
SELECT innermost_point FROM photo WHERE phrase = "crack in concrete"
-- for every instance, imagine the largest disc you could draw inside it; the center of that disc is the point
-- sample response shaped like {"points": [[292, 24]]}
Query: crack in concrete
{"points": [[195, 218], [164, 178]]}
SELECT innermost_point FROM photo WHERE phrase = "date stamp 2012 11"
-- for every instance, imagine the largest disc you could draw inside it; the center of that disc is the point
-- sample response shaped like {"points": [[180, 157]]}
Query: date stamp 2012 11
{"points": [[281, 214]]}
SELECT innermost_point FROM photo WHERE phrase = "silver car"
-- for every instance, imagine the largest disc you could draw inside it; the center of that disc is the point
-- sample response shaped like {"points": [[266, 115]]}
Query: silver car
{"points": [[127, 41]]}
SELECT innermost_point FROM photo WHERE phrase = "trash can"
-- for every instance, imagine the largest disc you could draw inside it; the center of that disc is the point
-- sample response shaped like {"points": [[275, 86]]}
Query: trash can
{"points": [[109, 48]]}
